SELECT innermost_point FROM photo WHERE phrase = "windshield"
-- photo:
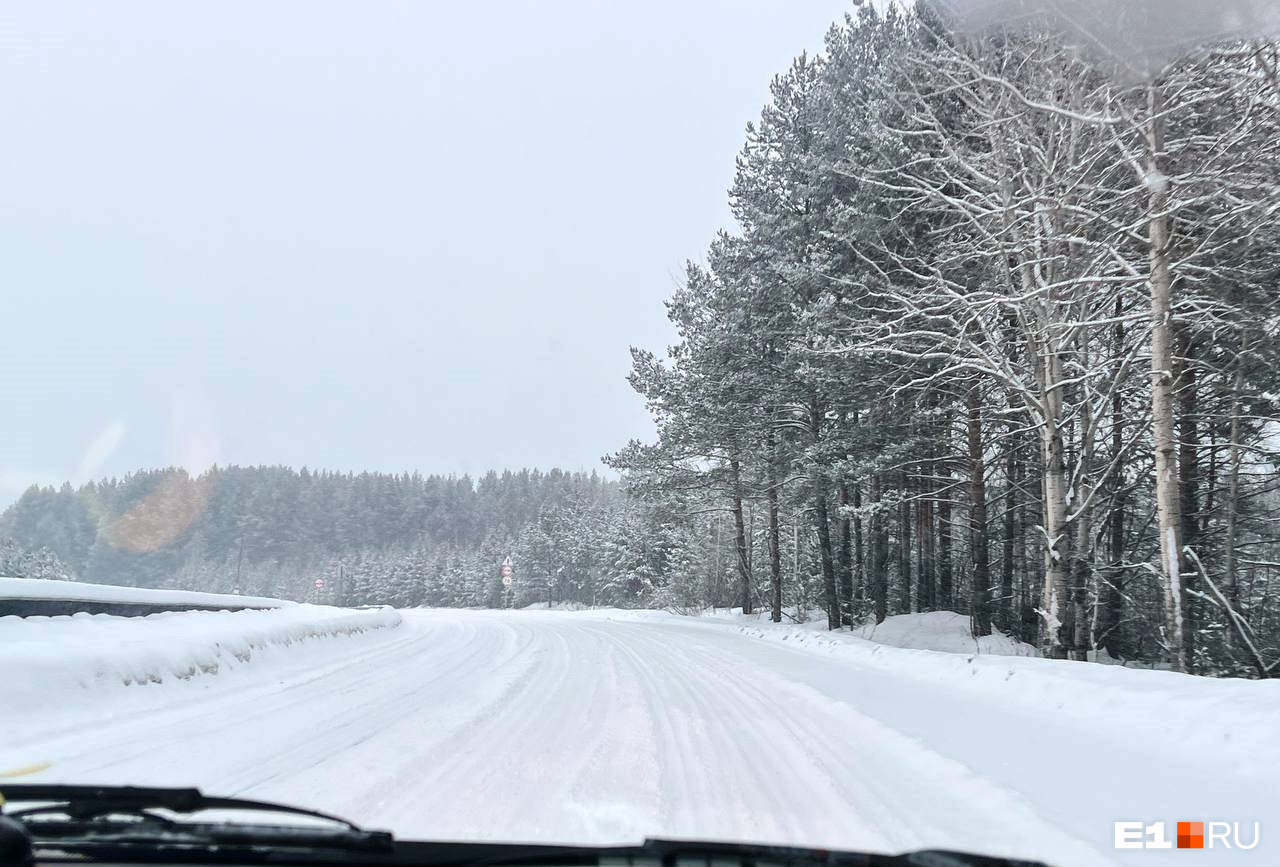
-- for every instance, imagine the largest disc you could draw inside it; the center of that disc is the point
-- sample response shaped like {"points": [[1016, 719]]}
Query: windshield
{"points": [[835, 424]]}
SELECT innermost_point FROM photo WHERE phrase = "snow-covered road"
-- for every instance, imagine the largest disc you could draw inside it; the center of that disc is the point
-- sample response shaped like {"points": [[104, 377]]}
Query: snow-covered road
{"points": [[593, 727]]}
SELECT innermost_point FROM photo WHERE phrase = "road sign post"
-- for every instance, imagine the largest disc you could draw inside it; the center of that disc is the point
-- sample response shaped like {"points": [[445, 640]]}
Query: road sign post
{"points": [[507, 572]]}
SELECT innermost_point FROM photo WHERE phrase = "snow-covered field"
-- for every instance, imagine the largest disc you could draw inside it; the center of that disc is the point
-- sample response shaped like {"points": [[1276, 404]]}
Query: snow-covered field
{"points": [[611, 726]]}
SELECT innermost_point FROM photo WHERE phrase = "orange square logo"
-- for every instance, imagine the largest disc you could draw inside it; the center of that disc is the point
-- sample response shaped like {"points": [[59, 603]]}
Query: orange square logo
{"points": [[1191, 835]]}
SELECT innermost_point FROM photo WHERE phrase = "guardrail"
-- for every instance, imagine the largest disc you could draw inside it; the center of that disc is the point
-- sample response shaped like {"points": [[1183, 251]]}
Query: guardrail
{"points": [[55, 607], [28, 597]]}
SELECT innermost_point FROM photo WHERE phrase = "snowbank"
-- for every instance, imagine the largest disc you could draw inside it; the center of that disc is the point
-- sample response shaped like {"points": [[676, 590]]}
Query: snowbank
{"points": [[941, 631], [944, 631], [52, 661], [74, 591]]}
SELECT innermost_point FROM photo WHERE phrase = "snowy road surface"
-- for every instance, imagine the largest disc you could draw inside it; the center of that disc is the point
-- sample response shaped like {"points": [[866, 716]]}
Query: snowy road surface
{"points": [[591, 727]]}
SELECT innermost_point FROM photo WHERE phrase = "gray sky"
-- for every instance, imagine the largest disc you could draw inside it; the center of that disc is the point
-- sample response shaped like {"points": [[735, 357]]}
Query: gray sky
{"points": [[356, 235]]}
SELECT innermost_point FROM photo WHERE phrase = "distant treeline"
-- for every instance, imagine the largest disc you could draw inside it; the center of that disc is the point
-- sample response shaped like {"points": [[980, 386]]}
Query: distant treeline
{"points": [[373, 537]]}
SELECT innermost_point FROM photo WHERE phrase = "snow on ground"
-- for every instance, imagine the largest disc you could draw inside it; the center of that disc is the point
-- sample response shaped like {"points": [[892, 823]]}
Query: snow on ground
{"points": [[75, 591], [558, 606], [944, 631], [608, 726], [1232, 719], [52, 663]]}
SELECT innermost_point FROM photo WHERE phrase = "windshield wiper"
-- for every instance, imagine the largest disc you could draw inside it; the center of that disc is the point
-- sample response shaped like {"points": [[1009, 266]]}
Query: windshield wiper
{"points": [[118, 823], [680, 853], [87, 802], [122, 822]]}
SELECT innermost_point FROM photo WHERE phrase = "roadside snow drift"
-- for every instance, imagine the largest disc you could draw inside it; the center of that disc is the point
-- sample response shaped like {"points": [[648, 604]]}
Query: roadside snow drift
{"points": [[941, 631], [945, 631], [75, 591], [49, 662]]}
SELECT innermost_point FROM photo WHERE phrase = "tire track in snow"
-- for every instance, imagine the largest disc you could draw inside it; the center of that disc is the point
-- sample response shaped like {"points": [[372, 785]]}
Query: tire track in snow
{"points": [[724, 758], [870, 771], [542, 734], [553, 727]]}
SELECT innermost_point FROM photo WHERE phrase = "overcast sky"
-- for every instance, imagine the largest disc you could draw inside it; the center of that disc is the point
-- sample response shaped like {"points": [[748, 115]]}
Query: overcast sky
{"points": [[356, 235]]}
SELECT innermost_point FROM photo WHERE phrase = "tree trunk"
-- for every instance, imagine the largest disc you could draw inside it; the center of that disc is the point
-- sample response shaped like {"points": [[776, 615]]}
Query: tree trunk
{"points": [[904, 544], [980, 591], [879, 554], [1168, 498], [1211, 478], [1081, 573], [926, 541], [775, 545], [846, 557], [822, 517], [1233, 484], [1186, 388], [1055, 604], [945, 588], [1028, 620], [740, 538], [1110, 634], [1082, 549], [824, 546], [1005, 612], [859, 555]]}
